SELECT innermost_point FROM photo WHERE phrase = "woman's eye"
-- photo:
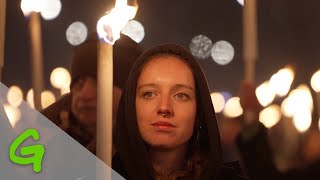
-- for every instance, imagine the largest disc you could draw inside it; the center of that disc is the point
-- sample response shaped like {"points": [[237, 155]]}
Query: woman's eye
{"points": [[148, 94], [182, 96]]}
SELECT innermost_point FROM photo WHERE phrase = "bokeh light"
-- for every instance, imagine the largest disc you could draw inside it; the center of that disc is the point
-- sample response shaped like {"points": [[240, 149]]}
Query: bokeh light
{"points": [[60, 78], [233, 108], [13, 114], [302, 120], [315, 81], [15, 96], [222, 52], [134, 30], [201, 46], [51, 9], [29, 98], [299, 99], [76, 33], [281, 81], [47, 98], [288, 107], [65, 90], [270, 116], [217, 101], [265, 94]]}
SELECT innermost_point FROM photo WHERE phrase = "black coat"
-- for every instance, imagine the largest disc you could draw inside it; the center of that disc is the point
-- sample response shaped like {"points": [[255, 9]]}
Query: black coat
{"points": [[229, 171], [60, 114]]}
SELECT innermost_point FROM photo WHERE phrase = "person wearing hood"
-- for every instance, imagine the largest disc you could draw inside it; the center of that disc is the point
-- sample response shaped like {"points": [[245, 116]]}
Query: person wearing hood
{"points": [[166, 126], [76, 112]]}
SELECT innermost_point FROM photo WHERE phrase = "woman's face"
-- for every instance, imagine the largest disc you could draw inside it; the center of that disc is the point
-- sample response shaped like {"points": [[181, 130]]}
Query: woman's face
{"points": [[166, 102]]}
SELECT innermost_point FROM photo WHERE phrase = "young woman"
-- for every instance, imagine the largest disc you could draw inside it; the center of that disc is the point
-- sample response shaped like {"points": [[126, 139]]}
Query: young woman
{"points": [[166, 126]]}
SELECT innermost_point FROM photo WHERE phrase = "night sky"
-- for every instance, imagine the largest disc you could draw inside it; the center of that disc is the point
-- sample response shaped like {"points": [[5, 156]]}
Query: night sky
{"points": [[288, 32]]}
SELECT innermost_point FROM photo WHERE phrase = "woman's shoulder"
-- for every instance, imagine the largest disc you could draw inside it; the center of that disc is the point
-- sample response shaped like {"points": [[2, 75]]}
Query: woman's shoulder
{"points": [[231, 171]]}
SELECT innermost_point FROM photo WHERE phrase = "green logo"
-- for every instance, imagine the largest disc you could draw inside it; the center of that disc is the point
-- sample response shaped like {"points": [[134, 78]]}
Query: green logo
{"points": [[37, 150]]}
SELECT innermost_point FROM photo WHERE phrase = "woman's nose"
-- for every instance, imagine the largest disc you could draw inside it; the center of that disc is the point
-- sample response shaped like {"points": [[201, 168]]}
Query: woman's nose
{"points": [[165, 107]]}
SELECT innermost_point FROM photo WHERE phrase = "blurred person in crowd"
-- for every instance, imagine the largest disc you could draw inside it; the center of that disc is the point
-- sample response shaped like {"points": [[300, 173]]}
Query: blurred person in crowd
{"points": [[229, 129], [76, 112], [255, 149]]}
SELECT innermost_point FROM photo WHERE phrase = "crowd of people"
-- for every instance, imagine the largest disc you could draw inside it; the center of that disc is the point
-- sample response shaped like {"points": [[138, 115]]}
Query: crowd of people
{"points": [[165, 126]]}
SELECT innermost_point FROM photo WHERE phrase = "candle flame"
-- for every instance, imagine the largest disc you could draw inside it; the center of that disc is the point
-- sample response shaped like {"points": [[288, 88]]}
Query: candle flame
{"points": [[28, 6], [110, 25]]}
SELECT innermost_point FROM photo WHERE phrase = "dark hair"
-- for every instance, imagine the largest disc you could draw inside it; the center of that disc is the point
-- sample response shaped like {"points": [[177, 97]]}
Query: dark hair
{"points": [[85, 58]]}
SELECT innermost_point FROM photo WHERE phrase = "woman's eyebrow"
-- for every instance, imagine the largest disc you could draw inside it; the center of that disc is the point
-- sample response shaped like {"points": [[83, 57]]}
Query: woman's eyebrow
{"points": [[147, 85], [176, 86], [179, 86]]}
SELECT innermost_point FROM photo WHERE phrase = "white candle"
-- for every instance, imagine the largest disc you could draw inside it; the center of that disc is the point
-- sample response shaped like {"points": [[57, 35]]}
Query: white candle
{"points": [[249, 39], [104, 102], [36, 58]]}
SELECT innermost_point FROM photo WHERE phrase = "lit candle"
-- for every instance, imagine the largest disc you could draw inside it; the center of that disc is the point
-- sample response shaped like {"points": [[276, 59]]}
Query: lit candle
{"points": [[31, 8], [108, 28]]}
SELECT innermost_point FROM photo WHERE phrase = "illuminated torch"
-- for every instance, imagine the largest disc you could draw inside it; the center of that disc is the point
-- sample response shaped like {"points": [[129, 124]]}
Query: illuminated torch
{"points": [[108, 28]]}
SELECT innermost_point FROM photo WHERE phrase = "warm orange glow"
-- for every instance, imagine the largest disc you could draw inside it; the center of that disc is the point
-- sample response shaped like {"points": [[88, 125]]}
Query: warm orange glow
{"points": [[233, 108], [270, 116], [315, 81], [60, 78], [281, 81], [302, 120], [299, 99], [265, 94], [110, 25], [217, 101], [47, 98]]}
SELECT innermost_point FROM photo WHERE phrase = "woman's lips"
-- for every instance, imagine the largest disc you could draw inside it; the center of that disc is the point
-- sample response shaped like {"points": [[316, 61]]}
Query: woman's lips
{"points": [[163, 125]]}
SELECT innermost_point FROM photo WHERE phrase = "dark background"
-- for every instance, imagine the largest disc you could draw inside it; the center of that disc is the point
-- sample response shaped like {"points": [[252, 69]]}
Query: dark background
{"points": [[288, 32]]}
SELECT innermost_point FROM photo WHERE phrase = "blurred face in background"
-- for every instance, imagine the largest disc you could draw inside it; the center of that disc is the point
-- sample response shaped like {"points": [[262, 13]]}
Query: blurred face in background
{"points": [[84, 100]]}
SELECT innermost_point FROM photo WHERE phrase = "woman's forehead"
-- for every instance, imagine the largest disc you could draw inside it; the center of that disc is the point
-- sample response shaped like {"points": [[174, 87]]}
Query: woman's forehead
{"points": [[166, 60], [166, 73]]}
